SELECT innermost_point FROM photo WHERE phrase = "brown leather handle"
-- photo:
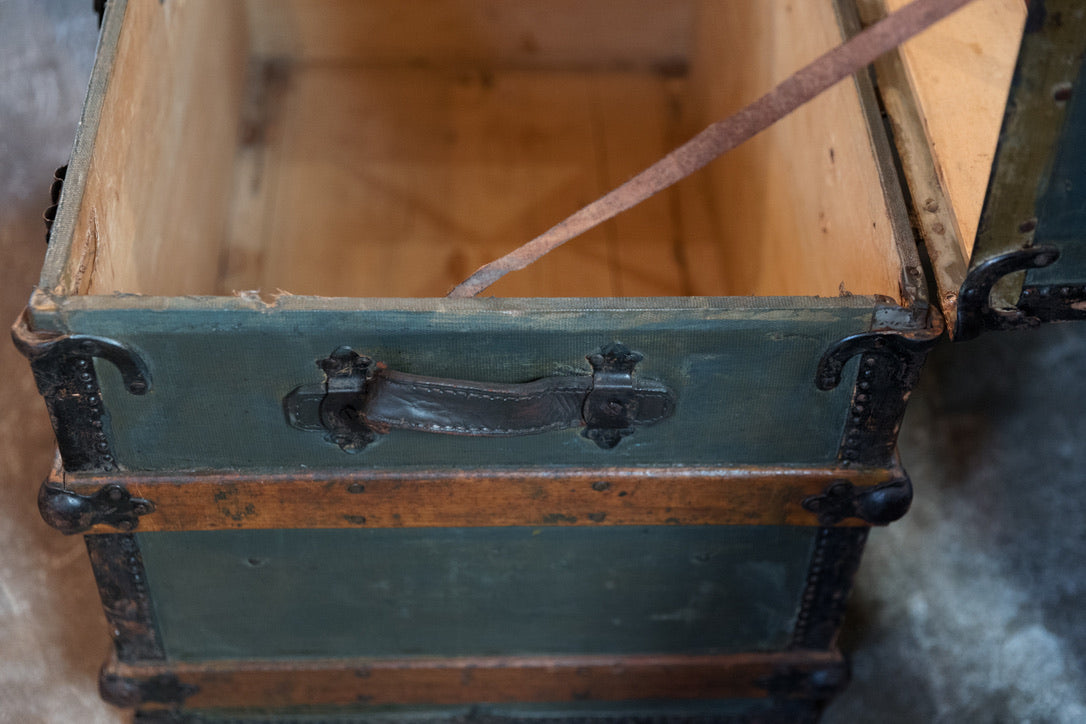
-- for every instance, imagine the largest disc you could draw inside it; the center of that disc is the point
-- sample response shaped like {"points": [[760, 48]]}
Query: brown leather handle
{"points": [[361, 399]]}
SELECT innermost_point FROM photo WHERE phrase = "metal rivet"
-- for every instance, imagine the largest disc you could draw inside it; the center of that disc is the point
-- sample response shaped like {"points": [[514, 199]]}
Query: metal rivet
{"points": [[356, 488], [600, 486]]}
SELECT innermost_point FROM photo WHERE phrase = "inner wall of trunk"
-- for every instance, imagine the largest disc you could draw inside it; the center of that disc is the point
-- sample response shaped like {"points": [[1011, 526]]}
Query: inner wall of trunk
{"points": [[373, 150]]}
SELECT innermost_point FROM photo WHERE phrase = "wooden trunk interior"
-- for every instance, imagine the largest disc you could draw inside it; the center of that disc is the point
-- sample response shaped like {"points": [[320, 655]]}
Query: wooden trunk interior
{"points": [[373, 149], [959, 75]]}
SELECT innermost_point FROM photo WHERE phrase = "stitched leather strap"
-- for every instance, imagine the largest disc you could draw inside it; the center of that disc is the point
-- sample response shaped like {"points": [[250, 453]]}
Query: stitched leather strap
{"points": [[361, 399]]}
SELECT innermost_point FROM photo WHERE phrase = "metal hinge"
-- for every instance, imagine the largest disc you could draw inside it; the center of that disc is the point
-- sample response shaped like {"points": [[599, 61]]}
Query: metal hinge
{"points": [[975, 313]]}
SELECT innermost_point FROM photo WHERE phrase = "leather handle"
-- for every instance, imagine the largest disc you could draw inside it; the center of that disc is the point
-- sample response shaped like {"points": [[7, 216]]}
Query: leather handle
{"points": [[361, 399]]}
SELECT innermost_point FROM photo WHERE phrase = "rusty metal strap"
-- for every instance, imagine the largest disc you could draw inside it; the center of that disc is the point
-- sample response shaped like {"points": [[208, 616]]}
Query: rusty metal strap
{"points": [[722, 136]]}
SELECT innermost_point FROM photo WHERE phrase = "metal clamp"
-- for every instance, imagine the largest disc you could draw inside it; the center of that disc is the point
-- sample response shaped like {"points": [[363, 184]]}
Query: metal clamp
{"points": [[71, 512], [878, 504]]}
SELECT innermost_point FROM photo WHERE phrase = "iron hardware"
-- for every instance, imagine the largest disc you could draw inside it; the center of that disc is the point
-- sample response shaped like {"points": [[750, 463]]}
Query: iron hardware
{"points": [[975, 313], [361, 399], [71, 512], [63, 366], [878, 504], [891, 357]]}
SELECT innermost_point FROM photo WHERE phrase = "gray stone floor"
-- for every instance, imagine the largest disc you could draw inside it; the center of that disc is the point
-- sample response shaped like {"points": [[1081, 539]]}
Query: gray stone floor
{"points": [[969, 610], [973, 607]]}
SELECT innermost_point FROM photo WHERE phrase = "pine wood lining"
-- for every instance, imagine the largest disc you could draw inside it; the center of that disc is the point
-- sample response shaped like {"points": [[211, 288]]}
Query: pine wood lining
{"points": [[374, 163], [959, 74], [152, 215]]}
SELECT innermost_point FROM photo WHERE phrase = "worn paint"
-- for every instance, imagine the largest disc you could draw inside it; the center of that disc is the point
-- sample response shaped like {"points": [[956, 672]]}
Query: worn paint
{"points": [[1021, 189], [292, 594], [742, 372], [1061, 209]]}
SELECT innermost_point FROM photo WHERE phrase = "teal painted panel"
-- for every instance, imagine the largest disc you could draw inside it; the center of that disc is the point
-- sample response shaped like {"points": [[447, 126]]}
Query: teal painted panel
{"points": [[743, 371], [476, 591], [1061, 208]]}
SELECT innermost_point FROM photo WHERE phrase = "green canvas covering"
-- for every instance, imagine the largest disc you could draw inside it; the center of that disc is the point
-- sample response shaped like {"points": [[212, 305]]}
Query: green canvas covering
{"points": [[476, 591], [742, 370]]}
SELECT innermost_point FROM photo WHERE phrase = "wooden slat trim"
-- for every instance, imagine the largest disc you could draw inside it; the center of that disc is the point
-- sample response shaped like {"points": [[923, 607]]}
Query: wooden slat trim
{"points": [[534, 497], [376, 682]]}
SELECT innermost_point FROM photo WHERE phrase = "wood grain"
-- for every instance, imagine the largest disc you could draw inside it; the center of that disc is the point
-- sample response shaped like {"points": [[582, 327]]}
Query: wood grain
{"points": [[376, 682], [153, 208], [391, 163], [959, 73], [798, 205], [534, 497]]}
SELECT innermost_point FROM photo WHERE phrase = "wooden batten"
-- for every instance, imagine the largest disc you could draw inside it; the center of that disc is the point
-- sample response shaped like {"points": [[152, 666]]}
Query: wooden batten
{"points": [[352, 149], [596, 497], [811, 675]]}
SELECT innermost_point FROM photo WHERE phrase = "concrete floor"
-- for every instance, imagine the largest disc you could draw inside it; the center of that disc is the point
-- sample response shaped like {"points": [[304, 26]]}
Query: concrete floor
{"points": [[971, 609]]}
